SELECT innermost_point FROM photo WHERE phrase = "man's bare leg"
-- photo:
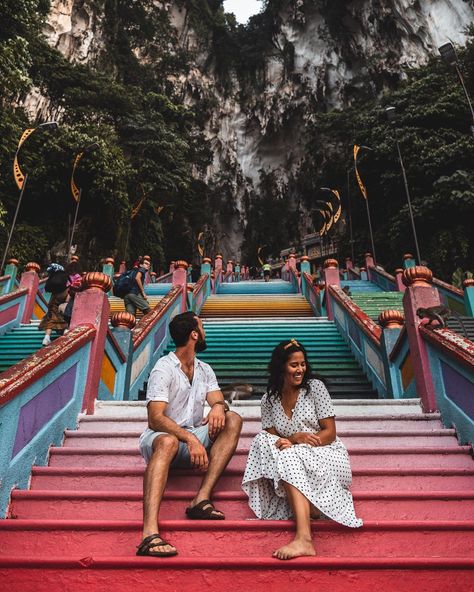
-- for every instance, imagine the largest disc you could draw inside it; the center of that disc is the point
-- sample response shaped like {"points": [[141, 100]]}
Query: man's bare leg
{"points": [[302, 544], [221, 452], [164, 450]]}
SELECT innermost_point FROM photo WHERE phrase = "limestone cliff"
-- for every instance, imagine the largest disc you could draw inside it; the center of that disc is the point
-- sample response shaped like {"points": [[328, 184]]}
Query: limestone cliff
{"points": [[325, 54]]}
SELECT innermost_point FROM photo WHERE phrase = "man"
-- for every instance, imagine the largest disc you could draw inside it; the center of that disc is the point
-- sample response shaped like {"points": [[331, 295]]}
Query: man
{"points": [[177, 436], [266, 271], [136, 298]]}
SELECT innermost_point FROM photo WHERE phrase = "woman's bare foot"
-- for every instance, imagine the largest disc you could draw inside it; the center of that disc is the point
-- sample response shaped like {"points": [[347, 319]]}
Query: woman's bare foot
{"points": [[297, 548]]}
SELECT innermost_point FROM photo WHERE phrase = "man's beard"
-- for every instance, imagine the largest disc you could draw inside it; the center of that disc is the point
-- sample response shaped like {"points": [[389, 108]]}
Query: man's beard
{"points": [[201, 345]]}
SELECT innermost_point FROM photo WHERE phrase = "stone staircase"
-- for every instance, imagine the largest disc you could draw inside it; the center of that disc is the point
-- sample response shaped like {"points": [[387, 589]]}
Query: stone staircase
{"points": [[81, 519]]}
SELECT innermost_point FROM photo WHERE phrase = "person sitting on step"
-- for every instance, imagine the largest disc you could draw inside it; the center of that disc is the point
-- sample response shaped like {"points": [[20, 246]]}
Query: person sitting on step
{"points": [[297, 467], [178, 436]]}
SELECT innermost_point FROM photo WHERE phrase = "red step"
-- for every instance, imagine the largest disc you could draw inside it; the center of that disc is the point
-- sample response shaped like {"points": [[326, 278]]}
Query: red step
{"points": [[425, 457], [235, 574], [113, 505], [363, 479], [351, 438], [39, 538]]}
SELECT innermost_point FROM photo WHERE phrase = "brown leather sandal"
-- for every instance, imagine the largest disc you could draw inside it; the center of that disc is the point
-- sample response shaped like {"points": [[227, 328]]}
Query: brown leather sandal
{"points": [[145, 547], [204, 510]]}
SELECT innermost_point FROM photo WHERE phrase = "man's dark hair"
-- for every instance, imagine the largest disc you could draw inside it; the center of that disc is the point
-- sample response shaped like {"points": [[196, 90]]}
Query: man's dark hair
{"points": [[181, 327]]}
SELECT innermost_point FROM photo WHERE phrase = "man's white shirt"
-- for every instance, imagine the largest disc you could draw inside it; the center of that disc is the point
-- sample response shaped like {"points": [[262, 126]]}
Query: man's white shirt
{"points": [[169, 384]]}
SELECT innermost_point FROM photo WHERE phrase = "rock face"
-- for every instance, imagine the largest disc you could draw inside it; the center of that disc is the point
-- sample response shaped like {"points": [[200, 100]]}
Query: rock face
{"points": [[328, 53]]}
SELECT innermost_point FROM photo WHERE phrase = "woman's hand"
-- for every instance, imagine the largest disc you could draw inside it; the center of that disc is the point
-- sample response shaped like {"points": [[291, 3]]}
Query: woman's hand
{"points": [[306, 438], [283, 443]]}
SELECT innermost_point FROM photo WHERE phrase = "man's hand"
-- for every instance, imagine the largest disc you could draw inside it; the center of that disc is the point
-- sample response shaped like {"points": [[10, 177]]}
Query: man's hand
{"points": [[283, 443], [216, 420], [306, 438], [197, 453]]}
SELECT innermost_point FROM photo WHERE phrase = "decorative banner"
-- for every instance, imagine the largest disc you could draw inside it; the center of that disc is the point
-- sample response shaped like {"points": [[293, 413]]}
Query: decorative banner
{"points": [[139, 205], [323, 228], [74, 188], [17, 173], [363, 190], [259, 250], [337, 215], [331, 217], [200, 248]]}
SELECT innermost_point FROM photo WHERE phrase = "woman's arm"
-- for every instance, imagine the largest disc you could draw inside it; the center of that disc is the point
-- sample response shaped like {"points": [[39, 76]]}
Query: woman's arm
{"points": [[325, 436]]}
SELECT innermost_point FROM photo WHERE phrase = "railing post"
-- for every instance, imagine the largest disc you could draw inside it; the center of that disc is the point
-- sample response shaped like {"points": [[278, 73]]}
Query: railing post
{"points": [[420, 294], [108, 269], [292, 261], [237, 272], [369, 262], [331, 278], [91, 306], [305, 265], [217, 271], [180, 278], [30, 281], [468, 286], [123, 323], [349, 266], [363, 273], [230, 269], [206, 268], [408, 261], [399, 280], [392, 322], [11, 269], [123, 267]]}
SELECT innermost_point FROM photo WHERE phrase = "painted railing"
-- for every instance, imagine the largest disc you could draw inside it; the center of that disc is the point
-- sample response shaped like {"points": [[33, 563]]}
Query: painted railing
{"points": [[12, 306], [40, 307], [312, 294], [41, 285], [114, 384], [352, 274], [228, 277], [40, 397], [217, 281], [362, 335], [167, 278], [150, 337], [382, 279], [400, 367], [4, 283], [452, 365], [294, 279], [452, 297], [200, 293]]}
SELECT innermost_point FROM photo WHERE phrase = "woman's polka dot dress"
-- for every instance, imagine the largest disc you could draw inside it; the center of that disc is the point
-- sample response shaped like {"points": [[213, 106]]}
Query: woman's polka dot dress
{"points": [[322, 473]]}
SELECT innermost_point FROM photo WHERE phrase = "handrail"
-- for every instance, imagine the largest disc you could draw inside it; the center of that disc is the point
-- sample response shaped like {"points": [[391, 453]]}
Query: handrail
{"points": [[147, 322], [12, 295], [200, 284], [452, 344], [118, 350], [448, 287], [164, 279], [383, 273], [353, 272], [361, 319], [227, 275], [14, 380], [398, 344]]}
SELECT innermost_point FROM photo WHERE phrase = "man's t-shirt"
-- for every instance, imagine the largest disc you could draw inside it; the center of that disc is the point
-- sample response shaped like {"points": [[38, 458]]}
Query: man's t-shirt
{"points": [[168, 383]]}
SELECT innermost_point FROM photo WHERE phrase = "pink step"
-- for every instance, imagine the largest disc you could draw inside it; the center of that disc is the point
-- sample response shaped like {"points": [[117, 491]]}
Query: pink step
{"points": [[114, 505], [426, 457], [407, 479], [400, 423], [234, 574], [351, 438], [39, 538]]}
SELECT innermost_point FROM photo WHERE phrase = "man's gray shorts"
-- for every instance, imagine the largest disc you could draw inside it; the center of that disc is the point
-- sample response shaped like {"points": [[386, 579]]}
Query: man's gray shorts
{"points": [[182, 458]]}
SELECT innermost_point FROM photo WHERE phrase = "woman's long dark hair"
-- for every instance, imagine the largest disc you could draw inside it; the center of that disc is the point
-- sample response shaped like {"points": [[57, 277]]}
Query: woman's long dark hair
{"points": [[276, 367]]}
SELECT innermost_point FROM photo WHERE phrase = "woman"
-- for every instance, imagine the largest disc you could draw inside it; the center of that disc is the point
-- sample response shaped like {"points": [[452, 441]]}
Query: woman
{"points": [[57, 285], [297, 466]]}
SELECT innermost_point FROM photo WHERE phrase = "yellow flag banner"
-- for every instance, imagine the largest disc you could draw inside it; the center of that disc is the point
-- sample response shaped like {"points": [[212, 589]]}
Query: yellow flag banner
{"points": [[323, 228], [17, 172], [200, 248], [337, 215], [259, 250], [363, 190], [74, 187], [330, 216], [138, 207]]}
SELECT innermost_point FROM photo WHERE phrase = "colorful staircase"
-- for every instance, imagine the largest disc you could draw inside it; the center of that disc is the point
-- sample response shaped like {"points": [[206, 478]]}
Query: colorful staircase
{"points": [[371, 299], [79, 523], [17, 344]]}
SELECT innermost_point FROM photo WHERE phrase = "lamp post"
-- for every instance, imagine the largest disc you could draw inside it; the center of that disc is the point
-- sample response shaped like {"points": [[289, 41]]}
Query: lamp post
{"points": [[21, 178], [351, 236], [77, 192], [365, 195], [391, 113], [449, 57]]}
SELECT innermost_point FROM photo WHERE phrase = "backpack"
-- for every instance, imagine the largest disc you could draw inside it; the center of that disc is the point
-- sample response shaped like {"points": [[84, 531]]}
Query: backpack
{"points": [[124, 283]]}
